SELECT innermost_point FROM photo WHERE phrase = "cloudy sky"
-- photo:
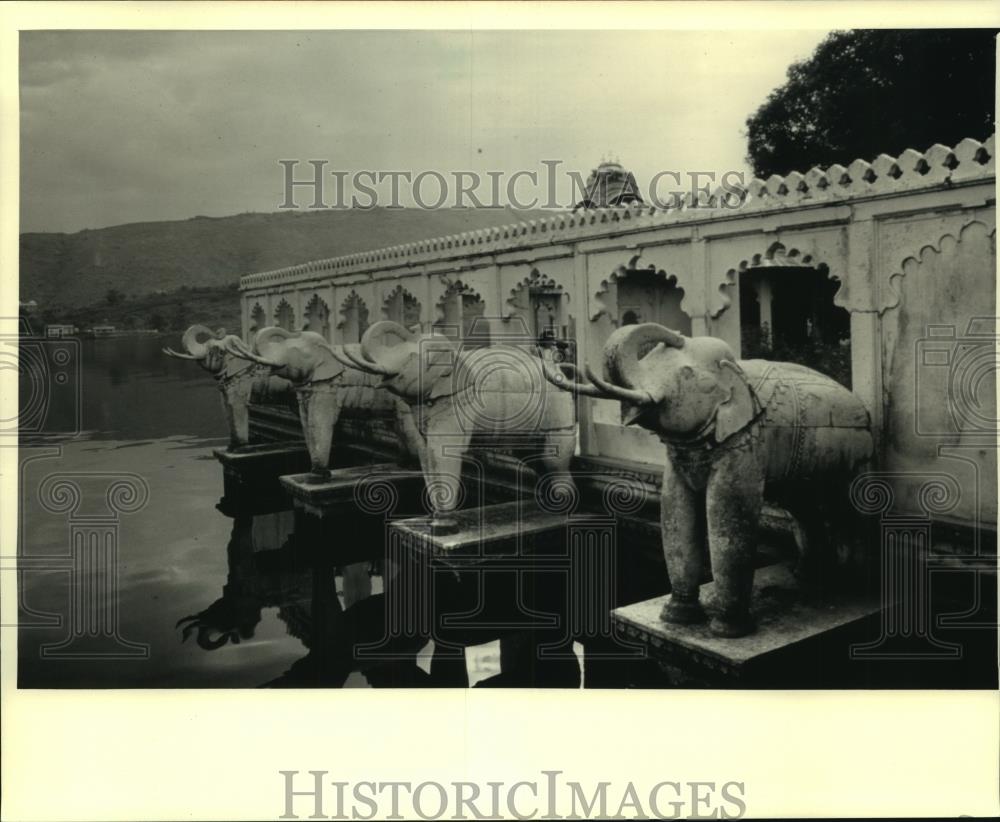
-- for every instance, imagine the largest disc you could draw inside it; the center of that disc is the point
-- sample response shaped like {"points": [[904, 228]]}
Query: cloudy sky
{"points": [[123, 127]]}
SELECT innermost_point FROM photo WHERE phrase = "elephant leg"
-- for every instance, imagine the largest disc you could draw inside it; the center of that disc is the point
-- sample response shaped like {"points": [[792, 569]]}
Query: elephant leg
{"points": [[734, 498], [443, 475], [683, 532], [227, 411], [410, 438], [319, 412], [240, 433]]}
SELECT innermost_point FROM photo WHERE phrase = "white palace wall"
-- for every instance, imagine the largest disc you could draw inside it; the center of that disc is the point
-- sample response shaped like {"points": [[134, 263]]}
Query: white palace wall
{"points": [[909, 241]]}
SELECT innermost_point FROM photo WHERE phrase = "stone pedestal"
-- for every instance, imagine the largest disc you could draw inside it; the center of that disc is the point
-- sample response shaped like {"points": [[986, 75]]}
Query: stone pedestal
{"points": [[348, 513], [250, 475], [531, 577], [375, 488], [798, 643]]}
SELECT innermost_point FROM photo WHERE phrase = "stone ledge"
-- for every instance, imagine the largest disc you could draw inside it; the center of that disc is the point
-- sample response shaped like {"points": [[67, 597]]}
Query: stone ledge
{"points": [[786, 624], [248, 454], [509, 529], [371, 487]]}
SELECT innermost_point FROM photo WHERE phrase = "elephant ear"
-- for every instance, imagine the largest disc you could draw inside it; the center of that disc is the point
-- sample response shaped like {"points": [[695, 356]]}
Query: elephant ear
{"points": [[737, 410], [388, 343], [270, 343], [328, 366]]}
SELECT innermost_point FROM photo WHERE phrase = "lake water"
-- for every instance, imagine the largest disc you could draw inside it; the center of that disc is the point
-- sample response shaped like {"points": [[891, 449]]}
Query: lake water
{"points": [[151, 422]]}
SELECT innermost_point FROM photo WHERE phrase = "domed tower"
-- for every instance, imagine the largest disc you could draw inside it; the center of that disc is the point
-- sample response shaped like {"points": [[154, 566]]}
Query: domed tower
{"points": [[609, 185]]}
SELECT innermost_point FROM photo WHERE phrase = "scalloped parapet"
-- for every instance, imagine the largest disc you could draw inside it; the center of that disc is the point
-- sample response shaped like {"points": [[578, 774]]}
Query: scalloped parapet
{"points": [[939, 165]]}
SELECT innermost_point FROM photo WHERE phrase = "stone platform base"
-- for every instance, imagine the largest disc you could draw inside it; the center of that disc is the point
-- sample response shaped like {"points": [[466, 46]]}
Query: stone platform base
{"points": [[250, 475], [537, 580], [483, 534], [372, 488], [793, 636]]}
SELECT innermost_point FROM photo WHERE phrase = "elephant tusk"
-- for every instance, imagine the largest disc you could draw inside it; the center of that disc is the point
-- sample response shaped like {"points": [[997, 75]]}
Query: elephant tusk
{"points": [[560, 380], [630, 395], [368, 365], [342, 358], [171, 353]]}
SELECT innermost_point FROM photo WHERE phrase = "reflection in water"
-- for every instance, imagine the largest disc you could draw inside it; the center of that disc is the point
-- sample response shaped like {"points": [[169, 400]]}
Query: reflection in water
{"points": [[250, 584], [268, 567], [256, 604]]}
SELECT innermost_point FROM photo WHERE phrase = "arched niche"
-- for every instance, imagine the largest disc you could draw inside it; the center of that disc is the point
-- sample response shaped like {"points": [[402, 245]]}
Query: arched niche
{"points": [[284, 315], [258, 319], [787, 312], [460, 315], [541, 304], [353, 318], [938, 383], [402, 307], [317, 316], [633, 294]]}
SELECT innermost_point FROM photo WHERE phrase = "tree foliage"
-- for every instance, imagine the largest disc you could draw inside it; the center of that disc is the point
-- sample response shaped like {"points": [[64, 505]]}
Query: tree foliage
{"points": [[870, 92]]}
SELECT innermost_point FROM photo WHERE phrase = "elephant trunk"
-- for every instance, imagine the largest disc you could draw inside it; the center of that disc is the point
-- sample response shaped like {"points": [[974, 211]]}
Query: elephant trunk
{"points": [[626, 346], [176, 355]]}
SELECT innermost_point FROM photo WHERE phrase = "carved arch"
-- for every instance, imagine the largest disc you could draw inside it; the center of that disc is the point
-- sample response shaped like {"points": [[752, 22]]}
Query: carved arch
{"points": [[401, 294], [464, 324], [453, 288], [284, 315], [317, 315], [607, 292], [790, 313], [353, 316], [258, 317], [776, 256], [891, 300], [534, 279]]}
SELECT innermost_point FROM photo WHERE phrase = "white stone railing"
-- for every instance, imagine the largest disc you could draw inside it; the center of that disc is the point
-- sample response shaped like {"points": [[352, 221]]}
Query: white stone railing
{"points": [[939, 166]]}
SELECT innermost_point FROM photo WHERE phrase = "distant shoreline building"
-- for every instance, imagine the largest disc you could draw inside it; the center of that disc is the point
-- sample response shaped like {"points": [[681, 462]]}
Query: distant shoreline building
{"points": [[59, 330]]}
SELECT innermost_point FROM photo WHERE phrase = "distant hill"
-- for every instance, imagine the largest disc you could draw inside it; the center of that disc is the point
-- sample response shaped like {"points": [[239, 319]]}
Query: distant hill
{"points": [[61, 271]]}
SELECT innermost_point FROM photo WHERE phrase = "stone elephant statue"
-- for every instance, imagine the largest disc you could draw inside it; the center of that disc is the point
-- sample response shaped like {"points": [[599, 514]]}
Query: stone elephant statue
{"points": [[240, 380], [458, 393], [325, 387], [250, 587], [732, 429]]}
